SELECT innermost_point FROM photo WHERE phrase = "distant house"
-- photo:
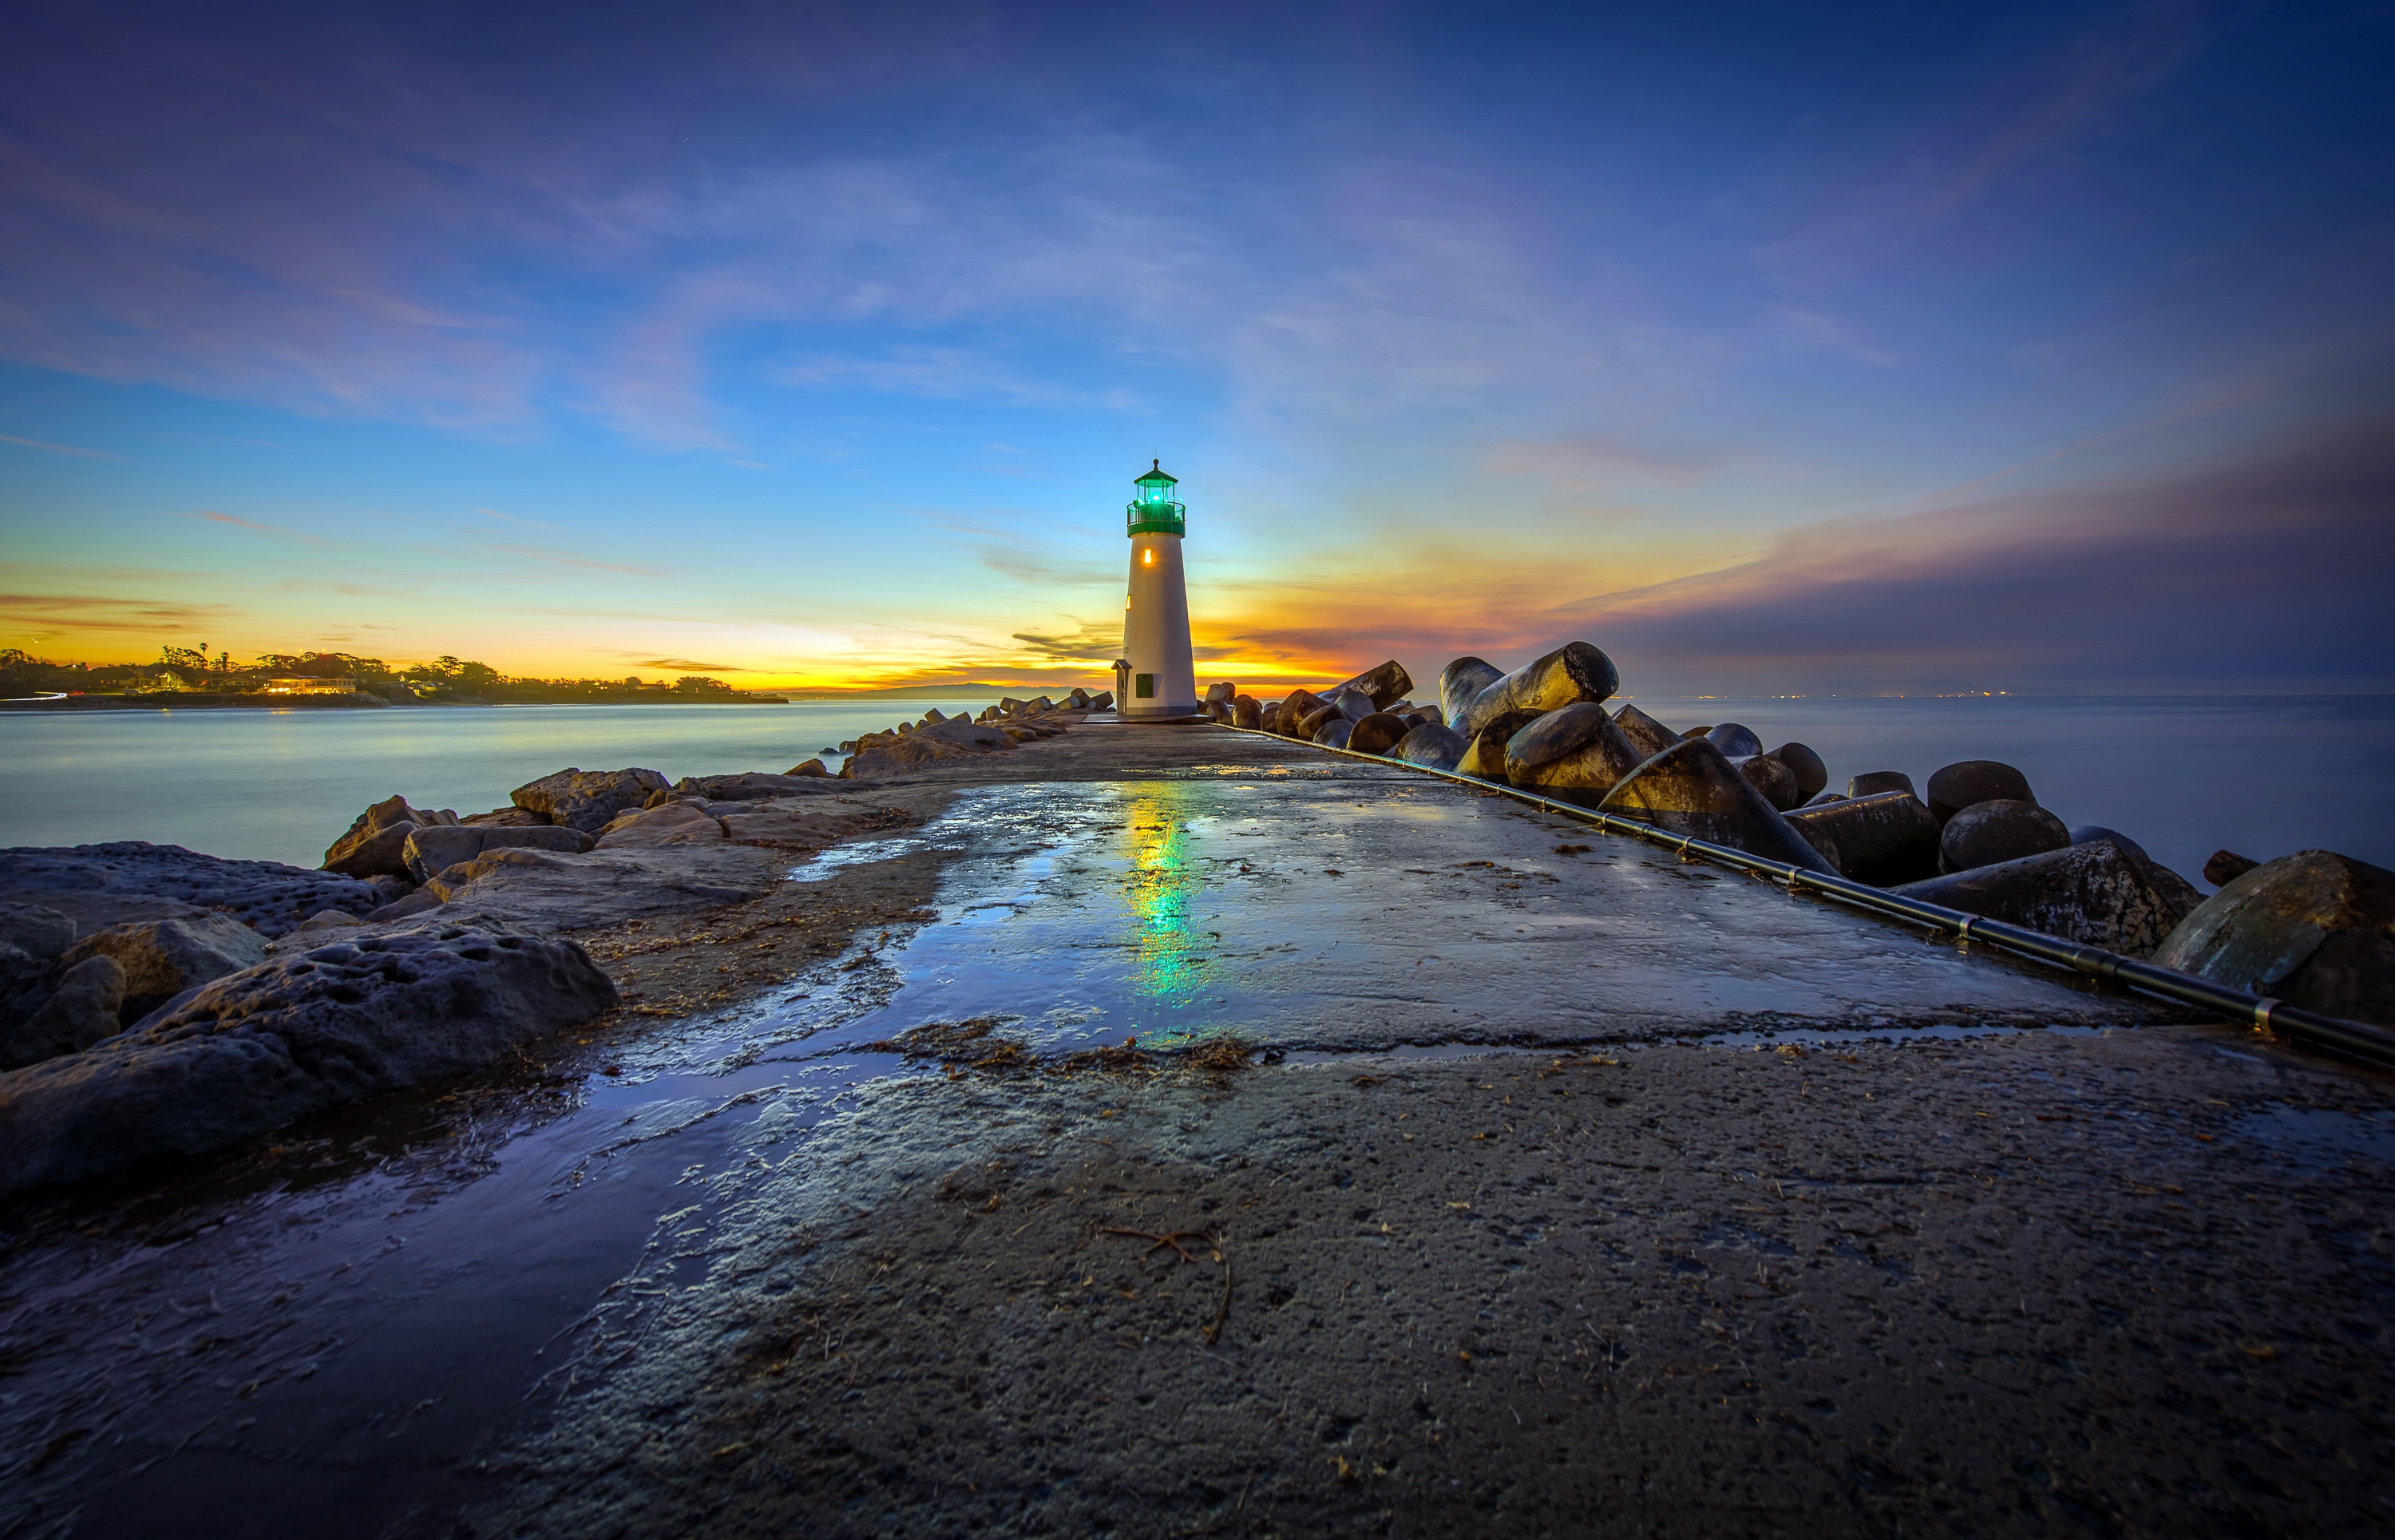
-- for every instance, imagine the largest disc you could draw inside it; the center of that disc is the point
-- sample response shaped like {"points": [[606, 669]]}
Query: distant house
{"points": [[310, 686]]}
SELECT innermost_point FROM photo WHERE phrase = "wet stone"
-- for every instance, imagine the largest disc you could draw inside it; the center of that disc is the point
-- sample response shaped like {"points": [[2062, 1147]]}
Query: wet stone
{"points": [[1377, 734], [1810, 773], [1650, 736], [1870, 783], [1576, 754], [1690, 788], [1575, 671], [1883, 839], [2095, 894], [2003, 829], [1382, 686], [2316, 929], [1736, 740], [1460, 682], [1969, 782], [1769, 776]]}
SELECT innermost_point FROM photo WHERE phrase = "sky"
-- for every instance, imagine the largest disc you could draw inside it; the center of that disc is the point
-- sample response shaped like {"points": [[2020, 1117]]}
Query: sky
{"points": [[1776, 349]]}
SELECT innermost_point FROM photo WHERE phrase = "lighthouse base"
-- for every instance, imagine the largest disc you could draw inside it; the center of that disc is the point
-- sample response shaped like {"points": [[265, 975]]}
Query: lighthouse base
{"points": [[1115, 719]]}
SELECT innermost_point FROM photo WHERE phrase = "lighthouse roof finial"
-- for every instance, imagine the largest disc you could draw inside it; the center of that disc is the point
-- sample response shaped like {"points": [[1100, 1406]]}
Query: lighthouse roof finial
{"points": [[1157, 476]]}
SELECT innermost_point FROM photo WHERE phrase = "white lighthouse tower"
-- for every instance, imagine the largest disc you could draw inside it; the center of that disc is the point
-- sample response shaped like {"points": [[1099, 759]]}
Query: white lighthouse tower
{"points": [[1156, 667]]}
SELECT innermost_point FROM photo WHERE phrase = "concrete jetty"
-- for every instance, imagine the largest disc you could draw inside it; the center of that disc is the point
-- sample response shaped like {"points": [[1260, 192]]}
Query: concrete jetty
{"points": [[1177, 1131]]}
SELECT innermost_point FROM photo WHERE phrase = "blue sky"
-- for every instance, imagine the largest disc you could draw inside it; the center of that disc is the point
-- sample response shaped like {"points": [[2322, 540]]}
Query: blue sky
{"points": [[1774, 349]]}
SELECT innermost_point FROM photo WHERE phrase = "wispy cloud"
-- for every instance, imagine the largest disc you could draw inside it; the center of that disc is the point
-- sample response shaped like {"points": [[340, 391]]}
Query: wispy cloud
{"points": [[209, 515], [57, 448]]}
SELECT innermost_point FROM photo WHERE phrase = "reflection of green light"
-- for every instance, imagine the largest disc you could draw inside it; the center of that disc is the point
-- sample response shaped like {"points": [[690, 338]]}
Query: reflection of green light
{"points": [[1161, 892]]}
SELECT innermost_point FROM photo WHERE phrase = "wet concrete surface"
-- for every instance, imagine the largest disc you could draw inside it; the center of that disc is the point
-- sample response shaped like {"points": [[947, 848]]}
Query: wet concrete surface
{"points": [[1792, 1219]]}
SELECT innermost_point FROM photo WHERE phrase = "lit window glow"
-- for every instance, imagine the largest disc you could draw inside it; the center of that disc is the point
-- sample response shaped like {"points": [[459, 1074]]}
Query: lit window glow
{"points": [[1149, 557]]}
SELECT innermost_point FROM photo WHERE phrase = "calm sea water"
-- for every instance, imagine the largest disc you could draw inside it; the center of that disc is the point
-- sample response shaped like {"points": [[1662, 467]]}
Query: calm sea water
{"points": [[2184, 777]]}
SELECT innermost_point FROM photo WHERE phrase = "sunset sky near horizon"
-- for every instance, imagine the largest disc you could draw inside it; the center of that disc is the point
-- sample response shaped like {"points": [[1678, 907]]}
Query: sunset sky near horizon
{"points": [[1776, 349]]}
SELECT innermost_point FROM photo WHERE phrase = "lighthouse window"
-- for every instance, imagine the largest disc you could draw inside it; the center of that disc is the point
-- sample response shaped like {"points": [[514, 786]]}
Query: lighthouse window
{"points": [[1149, 557], [1144, 686]]}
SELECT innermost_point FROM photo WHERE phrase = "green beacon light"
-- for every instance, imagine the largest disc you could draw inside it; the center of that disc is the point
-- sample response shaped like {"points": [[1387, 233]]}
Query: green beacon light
{"points": [[1154, 512]]}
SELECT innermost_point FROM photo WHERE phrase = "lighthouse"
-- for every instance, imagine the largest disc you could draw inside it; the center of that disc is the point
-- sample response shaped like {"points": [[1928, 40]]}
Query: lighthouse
{"points": [[1160, 678]]}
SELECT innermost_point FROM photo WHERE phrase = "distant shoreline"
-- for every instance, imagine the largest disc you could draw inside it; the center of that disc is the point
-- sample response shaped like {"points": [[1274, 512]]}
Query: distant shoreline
{"points": [[69, 705]]}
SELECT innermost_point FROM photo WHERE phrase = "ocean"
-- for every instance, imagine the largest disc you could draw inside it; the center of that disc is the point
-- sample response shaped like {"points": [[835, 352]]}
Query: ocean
{"points": [[2182, 776]]}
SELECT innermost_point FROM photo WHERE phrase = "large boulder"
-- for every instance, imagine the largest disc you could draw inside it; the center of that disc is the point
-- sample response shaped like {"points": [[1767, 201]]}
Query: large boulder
{"points": [[2182, 895], [1484, 756], [674, 823], [1882, 838], [1968, 782], [83, 1010], [1986, 833], [1576, 754], [1378, 734], [508, 817], [2224, 867], [1870, 783], [2096, 894], [1691, 789], [163, 958], [1221, 693], [2315, 929], [373, 843], [1295, 708], [1432, 745], [1335, 731], [1574, 671], [1460, 682], [1381, 686], [1246, 713], [1352, 704], [293, 1036], [99, 885], [1102, 701], [587, 799], [433, 850], [1812, 775], [1650, 736]]}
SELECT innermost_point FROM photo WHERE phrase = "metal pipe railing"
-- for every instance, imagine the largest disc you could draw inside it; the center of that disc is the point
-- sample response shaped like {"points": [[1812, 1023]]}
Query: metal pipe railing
{"points": [[2355, 1039]]}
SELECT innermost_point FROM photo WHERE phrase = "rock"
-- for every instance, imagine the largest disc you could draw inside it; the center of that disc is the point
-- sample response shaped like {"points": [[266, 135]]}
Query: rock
{"points": [[1381, 686], [1220, 711], [33, 938], [1775, 780], [1735, 741], [433, 850], [676, 823], [754, 785], [1354, 705], [812, 821], [544, 891], [401, 909], [1575, 754], [1574, 671], [896, 756], [2315, 929], [373, 843], [1246, 713], [2181, 894], [2096, 894], [99, 885], [507, 818], [293, 1036], [1484, 757], [80, 1012], [1986, 833], [1294, 708], [1823, 798], [1870, 783], [1102, 701], [1883, 839], [1967, 782], [1310, 725], [1698, 732], [163, 958], [318, 926], [1460, 682], [1378, 734], [587, 799], [1690, 788], [1432, 745], [1079, 699], [2224, 867], [1648, 736], [1221, 693], [1334, 732], [1810, 773], [933, 717]]}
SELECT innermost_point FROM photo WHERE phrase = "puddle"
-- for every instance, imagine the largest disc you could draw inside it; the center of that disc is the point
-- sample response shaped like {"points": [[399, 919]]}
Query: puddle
{"points": [[2322, 1138]]}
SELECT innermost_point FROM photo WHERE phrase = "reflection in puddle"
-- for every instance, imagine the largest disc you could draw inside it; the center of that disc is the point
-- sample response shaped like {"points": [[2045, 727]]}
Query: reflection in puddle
{"points": [[1161, 889], [859, 853]]}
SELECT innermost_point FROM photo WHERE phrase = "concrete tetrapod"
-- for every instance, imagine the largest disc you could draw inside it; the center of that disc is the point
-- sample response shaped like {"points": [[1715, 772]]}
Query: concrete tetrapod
{"points": [[1432, 745], [1811, 775], [1335, 731], [1734, 739], [1883, 839], [1988, 832], [1484, 756], [1576, 754], [1775, 780], [1955, 787], [2315, 929], [1650, 736], [1870, 783], [1382, 686], [1460, 682], [1378, 734], [2098, 893], [1572, 672], [1690, 788]]}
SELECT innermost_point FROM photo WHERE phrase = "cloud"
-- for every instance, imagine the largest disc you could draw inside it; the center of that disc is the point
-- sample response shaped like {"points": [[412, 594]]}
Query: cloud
{"points": [[1085, 645], [57, 448], [209, 515], [93, 612], [560, 559], [947, 374], [688, 665]]}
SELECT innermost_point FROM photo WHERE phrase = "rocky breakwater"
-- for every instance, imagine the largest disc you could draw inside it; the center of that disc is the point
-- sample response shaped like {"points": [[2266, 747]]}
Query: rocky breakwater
{"points": [[911, 745], [2313, 928], [155, 1001]]}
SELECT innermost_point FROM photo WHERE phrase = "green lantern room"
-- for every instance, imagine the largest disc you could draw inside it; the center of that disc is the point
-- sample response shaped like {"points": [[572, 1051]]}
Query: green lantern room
{"points": [[1154, 512]]}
